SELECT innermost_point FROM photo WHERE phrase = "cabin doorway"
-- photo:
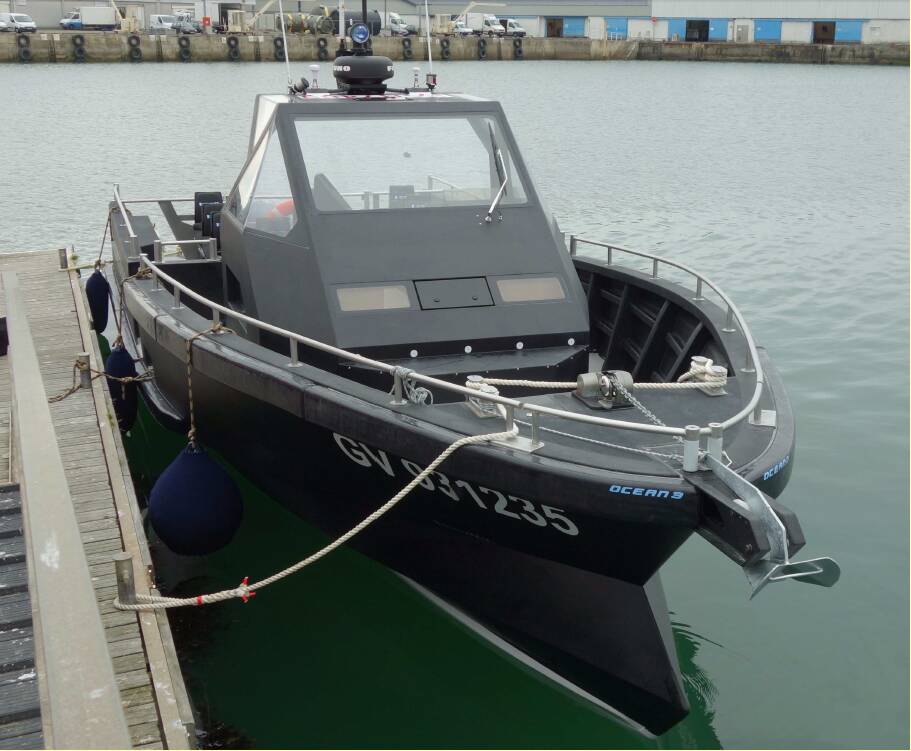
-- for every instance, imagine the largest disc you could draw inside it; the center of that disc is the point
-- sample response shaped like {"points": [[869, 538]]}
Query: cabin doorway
{"points": [[697, 31], [554, 27], [824, 32]]}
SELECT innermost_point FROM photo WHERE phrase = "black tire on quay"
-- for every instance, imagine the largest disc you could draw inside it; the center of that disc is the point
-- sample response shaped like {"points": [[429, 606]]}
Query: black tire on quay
{"points": [[133, 40], [278, 43], [445, 54], [407, 53], [185, 54], [444, 44], [322, 53], [518, 53], [183, 42], [233, 53], [135, 55], [321, 43], [23, 41], [25, 55], [78, 40], [232, 42], [280, 55], [406, 43], [79, 54], [517, 42]]}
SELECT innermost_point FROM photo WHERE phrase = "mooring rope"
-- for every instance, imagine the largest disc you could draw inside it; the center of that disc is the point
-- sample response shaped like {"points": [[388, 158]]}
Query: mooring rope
{"points": [[711, 380], [245, 590], [80, 366]]}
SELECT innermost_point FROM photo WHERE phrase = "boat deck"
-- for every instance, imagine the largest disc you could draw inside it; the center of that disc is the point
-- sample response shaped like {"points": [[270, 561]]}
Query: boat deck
{"points": [[140, 649]]}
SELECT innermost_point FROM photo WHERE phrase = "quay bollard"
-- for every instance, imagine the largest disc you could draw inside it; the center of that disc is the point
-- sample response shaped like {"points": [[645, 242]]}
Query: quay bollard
{"points": [[126, 586], [85, 375]]}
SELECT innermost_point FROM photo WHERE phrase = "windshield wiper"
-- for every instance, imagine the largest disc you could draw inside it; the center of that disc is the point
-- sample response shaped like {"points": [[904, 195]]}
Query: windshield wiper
{"points": [[500, 166]]}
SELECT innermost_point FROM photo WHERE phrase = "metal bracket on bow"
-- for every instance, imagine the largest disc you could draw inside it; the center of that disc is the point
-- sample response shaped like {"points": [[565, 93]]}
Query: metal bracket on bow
{"points": [[823, 572]]}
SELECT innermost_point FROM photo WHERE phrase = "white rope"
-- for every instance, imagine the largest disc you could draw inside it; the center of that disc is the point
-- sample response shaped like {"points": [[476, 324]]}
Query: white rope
{"points": [[245, 591], [708, 378]]}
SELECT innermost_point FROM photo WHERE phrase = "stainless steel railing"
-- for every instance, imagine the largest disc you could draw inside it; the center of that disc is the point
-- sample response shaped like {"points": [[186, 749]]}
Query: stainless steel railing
{"points": [[690, 433], [732, 316]]}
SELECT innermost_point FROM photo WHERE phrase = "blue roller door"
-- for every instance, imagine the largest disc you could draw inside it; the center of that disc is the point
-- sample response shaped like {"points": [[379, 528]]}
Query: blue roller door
{"points": [[617, 27], [574, 26], [767, 30], [718, 29], [848, 31], [676, 26]]}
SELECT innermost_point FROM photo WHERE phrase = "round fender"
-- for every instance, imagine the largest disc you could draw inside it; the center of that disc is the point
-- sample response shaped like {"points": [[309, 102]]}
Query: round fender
{"points": [[280, 55], [79, 54], [407, 53], [135, 55], [321, 43], [23, 41], [322, 53], [518, 53], [232, 42], [445, 54], [185, 54], [406, 43], [25, 55], [184, 42], [133, 40], [233, 53], [278, 43]]}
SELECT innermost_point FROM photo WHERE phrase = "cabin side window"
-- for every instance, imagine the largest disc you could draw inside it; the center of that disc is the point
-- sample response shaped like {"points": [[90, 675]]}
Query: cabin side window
{"points": [[262, 200], [409, 162]]}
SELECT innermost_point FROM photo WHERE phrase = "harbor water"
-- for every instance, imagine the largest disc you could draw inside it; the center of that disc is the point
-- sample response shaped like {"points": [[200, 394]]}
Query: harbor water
{"points": [[787, 185]]}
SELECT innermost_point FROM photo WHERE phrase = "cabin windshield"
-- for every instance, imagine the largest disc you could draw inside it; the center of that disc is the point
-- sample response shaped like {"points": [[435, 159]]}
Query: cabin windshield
{"points": [[406, 162]]}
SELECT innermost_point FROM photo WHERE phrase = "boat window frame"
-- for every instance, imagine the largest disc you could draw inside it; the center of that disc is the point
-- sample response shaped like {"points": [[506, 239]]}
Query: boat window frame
{"points": [[286, 125]]}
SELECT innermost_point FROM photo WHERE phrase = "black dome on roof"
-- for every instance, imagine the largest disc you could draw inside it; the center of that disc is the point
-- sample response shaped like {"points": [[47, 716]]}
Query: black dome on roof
{"points": [[362, 74]]}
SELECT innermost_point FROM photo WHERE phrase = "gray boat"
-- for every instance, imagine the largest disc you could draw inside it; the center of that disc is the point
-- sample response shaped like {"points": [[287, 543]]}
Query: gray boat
{"points": [[380, 310]]}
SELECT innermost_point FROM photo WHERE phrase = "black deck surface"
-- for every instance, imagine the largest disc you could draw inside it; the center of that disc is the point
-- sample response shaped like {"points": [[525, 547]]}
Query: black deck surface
{"points": [[20, 713]]}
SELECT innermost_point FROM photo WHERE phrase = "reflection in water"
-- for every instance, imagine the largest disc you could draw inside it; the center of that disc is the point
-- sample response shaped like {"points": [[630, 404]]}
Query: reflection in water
{"points": [[348, 639]]}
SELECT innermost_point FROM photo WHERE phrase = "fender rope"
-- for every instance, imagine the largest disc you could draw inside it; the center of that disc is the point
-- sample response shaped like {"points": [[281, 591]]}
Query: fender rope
{"points": [[245, 591]]}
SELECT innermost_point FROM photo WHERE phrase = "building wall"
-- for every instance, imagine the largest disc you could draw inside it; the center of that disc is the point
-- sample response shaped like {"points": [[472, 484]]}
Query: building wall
{"points": [[645, 28], [767, 30], [798, 32], [822, 9], [879, 32]]}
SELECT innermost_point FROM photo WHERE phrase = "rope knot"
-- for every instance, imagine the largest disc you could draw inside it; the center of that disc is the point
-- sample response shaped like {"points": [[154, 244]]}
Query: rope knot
{"points": [[413, 393], [243, 591]]}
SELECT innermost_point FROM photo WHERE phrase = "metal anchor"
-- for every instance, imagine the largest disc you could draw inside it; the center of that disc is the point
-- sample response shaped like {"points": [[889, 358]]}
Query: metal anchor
{"points": [[823, 572]]}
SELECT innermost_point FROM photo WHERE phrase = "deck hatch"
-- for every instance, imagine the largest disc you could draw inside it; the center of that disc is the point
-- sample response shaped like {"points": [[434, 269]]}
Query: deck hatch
{"points": [[453, 293]]}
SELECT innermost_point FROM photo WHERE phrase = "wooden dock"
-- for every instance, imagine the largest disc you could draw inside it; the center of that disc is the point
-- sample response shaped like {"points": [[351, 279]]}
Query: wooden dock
{"points": [[46, 694]]}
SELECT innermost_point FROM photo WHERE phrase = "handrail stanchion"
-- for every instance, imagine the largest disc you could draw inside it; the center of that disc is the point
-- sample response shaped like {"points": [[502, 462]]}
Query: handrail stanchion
{"points": [[654, 268], [715, 443], [213, 249], [295, 359], [177, 305], [510, 417], [729, 322], [691, 448], [698, 297], [572, 245], [398, 388], [156, 258]]}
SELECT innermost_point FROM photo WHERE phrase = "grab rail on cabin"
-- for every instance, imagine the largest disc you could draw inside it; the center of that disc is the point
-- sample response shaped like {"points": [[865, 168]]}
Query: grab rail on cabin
{"points": [[690, 434]]}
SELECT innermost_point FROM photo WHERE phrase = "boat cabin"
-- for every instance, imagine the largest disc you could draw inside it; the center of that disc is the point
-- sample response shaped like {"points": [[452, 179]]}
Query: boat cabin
{"points": [[405, 227]]}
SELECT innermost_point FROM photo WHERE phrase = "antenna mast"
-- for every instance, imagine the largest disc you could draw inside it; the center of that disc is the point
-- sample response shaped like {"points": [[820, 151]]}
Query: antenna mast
{"points": [[281, 20]]}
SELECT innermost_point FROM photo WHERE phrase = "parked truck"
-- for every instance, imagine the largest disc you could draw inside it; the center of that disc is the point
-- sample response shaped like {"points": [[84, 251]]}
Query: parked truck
{"points": [[484, 24], [92, 17]]}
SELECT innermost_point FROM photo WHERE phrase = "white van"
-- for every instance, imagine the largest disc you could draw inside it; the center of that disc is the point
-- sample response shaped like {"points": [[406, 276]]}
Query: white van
{"points": [[159, 22]]}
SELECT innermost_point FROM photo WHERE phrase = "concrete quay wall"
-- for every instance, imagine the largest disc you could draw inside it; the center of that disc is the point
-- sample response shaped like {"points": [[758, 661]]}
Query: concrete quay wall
{"points": [[111, 47]]}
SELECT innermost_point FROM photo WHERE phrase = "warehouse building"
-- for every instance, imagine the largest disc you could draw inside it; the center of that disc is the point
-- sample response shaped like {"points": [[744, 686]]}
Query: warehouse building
{"points": [[772, 21]]}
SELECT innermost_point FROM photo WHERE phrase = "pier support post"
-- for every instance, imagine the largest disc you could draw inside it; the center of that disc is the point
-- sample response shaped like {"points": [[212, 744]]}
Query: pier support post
{"points": [[126, 586]]}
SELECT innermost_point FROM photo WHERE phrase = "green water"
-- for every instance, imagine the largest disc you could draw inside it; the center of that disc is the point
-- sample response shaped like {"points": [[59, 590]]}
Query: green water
{"points": [[786, 184], [345, 654]]}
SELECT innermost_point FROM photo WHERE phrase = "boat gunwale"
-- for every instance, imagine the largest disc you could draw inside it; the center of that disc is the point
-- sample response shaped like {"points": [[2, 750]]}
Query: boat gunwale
{"points": [[733, 313]]}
